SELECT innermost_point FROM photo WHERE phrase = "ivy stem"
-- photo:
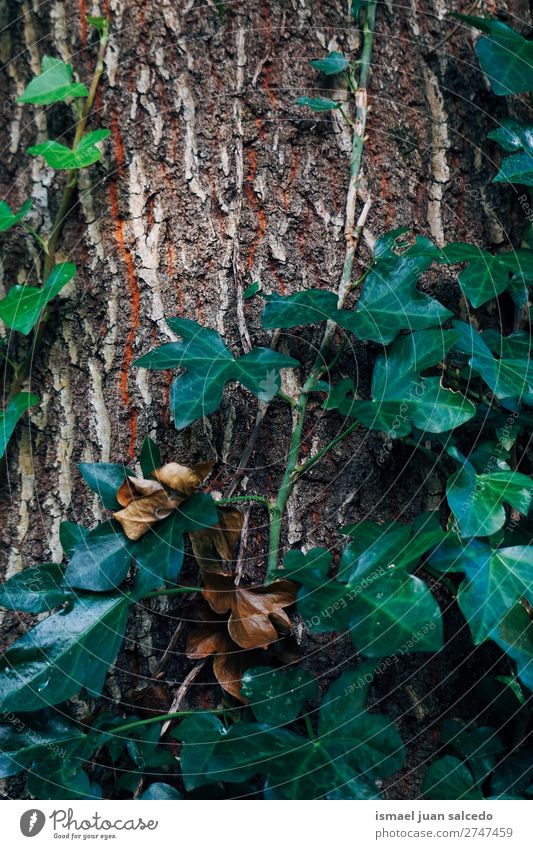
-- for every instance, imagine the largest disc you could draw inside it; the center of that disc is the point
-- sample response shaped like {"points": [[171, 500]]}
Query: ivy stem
{"points": [[303, 467], [153, 720], [23, 371], [240, 499], [172, 591], [351, 232]]}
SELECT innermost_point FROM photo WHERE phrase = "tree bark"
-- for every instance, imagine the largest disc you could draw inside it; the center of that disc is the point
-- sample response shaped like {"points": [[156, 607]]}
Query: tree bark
{"points": [[213, 178]]}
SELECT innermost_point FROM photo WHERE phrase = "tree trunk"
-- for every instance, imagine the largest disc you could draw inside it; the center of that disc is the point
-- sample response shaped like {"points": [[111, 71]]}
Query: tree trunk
{"points": [[213, 178]]}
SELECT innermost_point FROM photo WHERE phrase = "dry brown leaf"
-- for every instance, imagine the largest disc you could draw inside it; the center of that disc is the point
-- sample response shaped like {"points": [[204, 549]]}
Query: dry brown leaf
{"points": [[256, 613], [147, 501], [213, 547]]}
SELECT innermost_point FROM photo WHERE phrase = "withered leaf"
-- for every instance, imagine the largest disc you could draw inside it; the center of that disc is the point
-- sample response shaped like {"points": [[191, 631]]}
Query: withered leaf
{"points": [[213, 547], [257, 614], [145, 501]]}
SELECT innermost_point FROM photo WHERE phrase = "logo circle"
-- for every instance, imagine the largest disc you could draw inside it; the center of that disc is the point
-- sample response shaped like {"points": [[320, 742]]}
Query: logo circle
{"points": [[32, 822]]}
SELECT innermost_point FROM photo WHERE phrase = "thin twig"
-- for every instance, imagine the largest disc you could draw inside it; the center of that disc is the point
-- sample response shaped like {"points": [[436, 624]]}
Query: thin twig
{"points": [[182, 691]]}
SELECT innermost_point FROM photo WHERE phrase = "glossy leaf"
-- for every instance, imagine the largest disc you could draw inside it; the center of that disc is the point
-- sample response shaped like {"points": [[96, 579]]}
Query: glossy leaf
{"points": [[20, 741], [36, 590], [53, 84], [496, 580], [401, 399], [449, 778], [159, 554], [101, 560], [63, 158], [333, 63], [70, 535], [105, 479], [251, 290], [516, 138], [319, 104], [485, 275], [308, 306], [199, 734], [209, 366], [16, 408], [158, 791], [510, 378], [276, 696], [514, 634], [505, 56], [150, 458], [22, 307], [8, 218], [390, 301], [64, 653], [477, 500], [385, 609], [54, 776]]}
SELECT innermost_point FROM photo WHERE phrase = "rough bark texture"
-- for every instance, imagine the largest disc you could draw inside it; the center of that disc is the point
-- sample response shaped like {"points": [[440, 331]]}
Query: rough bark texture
{"points": [[212, 178]]}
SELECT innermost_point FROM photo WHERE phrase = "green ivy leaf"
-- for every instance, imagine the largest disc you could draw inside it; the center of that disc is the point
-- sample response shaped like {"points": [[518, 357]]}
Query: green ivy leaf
{"points": [[101, 560], [8, 218], [251, 290], [209, 366], [53, 84], [390, 301], [401, 399], [200, 734], [306, 307], [477, 500], [277, 695], [496, 580], [150, 458], [159, 791], [333, 63], [20, 741], [449, 778], [505, 56], [319, 104], [63, 158], [70, 535], [516, 138], [16, 408], [35, 590], [479, 746], [100, 23], [105, 479], [485, 275], [385, 609], [159, 553], [54, 775], [22, 307], [63, 653], [514, 634], [510, 378]]}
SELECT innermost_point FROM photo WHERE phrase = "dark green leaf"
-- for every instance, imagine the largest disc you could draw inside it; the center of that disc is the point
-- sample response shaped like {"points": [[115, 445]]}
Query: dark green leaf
{"points": [[200, 734], [479, 746], [517, 138], [277, 695], [159, 791], [22, 307], [514, 635], [390, 301], [63, 653], [306, 307], [53, 84], [333, 63], [20, 741], [35, 590], [209, 366], [449, 778], [64, 158], [8, 218], [101, 560], [508, 377], [159, 554], [319, 104], [70, 535], [251, 290], [16, 408], [106, 480], [150, 458], [505, 56], [54, 776], [477, 500]]}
